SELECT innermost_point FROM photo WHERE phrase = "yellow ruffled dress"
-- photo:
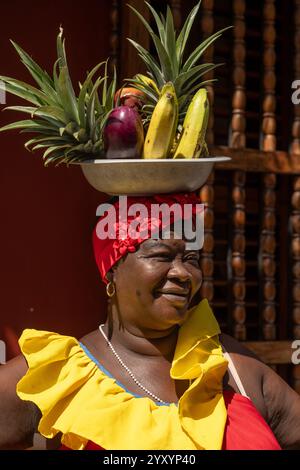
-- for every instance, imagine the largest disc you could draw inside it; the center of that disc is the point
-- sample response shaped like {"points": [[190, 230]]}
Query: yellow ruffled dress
{"points": [[78, 398]]}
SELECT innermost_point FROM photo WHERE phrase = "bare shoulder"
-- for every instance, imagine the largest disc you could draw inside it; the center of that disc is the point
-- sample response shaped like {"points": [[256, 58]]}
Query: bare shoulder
{"points": [[248, 364], [18, 418], [283, 405], [14, 369], [234, 346], [91, 341], [273, 397], [250, 370], [89, 337]]}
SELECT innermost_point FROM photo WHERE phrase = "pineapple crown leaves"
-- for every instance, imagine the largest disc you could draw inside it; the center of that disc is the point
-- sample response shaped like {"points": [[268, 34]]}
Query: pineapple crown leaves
{"points": [[170, 51], [69, 128]]}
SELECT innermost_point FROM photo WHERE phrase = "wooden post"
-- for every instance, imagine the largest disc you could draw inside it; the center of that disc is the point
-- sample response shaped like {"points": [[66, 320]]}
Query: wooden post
{"points": [[132, 27], [207, 263], [238, 264], [238, 123], [267, 265], [238, 140], [269, 102], [176, 10], [295, 147], [295, 203], [115, 35], [207, 24], [207, 192], [295, 226]]}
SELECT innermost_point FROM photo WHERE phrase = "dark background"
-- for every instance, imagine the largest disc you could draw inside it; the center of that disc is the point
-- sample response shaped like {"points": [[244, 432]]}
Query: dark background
{"points": [[48, 277]]}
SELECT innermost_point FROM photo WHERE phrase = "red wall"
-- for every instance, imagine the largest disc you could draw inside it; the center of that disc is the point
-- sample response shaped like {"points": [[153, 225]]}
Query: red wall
{"points": [[48, 277]]}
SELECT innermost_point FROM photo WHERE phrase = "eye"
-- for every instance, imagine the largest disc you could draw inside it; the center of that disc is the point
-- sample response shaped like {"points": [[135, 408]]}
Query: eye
{"points": [[161, 256], [193, 259]]}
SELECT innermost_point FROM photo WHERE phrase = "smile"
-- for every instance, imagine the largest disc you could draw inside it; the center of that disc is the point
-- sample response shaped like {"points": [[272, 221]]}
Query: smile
{"points": [[174, 296]]}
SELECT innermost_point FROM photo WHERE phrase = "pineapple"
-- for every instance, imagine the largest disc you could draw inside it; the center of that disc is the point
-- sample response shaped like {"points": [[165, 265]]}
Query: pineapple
{"points": [[68, 127], [185, 75]]}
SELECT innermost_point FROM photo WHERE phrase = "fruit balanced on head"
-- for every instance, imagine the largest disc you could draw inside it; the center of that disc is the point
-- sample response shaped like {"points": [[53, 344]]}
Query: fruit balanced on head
{"points": [[68, 127], [185, 76], [101, 123]]}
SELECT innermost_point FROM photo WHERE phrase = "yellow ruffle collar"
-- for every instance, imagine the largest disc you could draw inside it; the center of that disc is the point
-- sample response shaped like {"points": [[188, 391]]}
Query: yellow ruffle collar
{"points": [[79, 400]]}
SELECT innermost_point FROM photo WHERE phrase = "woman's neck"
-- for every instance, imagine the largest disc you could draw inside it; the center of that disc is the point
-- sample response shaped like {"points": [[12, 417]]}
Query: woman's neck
{"points": [[135, 341]]}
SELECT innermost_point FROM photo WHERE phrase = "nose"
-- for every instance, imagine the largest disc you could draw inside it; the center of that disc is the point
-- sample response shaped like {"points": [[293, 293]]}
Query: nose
{"points": [[178, 271]]}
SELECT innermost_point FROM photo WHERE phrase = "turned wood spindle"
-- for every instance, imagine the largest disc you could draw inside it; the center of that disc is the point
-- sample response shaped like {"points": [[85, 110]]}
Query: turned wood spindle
{"points": [[207, 263], [295, 146], [115, 35], [238, 122], [295, 202], [238, 263], [176, 10], [295, 255], [207, 25], [269, 102], [207, 192], [267, 264], [238, 140]]}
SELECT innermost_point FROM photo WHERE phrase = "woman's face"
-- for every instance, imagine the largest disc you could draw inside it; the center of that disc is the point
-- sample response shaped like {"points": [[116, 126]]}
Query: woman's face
{"points": [[155, 285]]}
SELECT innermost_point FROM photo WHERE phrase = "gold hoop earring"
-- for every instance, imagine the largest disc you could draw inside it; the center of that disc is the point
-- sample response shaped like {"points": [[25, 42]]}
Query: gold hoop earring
{"points": [[110, 289]]}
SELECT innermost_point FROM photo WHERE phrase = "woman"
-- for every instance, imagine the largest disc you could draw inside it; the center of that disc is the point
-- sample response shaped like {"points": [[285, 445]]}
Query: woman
{"points": [[157, 375]]}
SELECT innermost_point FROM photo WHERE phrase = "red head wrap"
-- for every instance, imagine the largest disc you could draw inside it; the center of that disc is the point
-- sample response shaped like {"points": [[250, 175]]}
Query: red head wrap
{"points": [[109, 250]]}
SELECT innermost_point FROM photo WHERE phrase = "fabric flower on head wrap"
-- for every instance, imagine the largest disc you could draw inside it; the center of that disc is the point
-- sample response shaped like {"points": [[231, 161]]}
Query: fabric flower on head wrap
{"points": [[126, 245], [138, 228]]}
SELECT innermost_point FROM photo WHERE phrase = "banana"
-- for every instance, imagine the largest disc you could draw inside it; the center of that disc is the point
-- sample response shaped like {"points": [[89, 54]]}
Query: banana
{"points": [[192, 141], [163, 124], [148, 81]]}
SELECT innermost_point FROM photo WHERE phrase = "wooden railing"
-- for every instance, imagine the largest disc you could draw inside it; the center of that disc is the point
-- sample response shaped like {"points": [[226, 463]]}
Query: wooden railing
{"points": [[251, 254], [207, 192], [272, 352], [295, 201]]}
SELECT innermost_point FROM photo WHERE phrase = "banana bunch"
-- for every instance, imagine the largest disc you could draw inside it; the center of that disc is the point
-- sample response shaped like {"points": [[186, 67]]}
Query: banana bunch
{"points": [[161, 140]]}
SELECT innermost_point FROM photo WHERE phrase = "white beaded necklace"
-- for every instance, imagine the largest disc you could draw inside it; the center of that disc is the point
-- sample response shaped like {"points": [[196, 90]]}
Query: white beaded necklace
{"points": [[128, 370]]}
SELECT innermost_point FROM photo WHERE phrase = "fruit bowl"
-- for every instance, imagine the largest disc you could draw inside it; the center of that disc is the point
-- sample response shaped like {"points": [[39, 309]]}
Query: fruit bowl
{"points": [[146, 177]]}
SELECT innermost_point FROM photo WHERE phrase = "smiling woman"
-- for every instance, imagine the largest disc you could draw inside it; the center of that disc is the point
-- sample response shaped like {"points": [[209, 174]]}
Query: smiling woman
{"points": [[158, 374], [156, 285]]}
